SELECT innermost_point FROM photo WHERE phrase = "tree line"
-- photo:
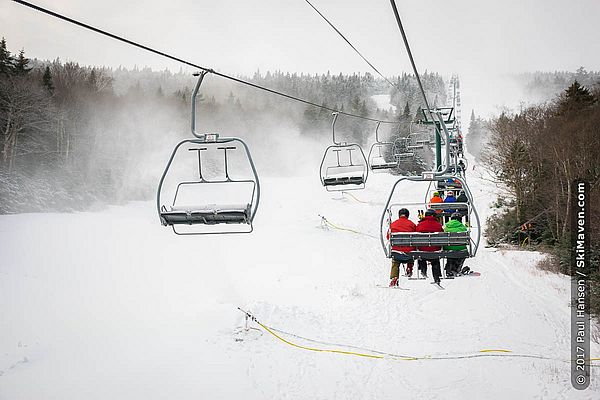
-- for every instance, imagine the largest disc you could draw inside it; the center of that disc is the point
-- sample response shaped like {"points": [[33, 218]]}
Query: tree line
{"points": [[76, 136], [537, 154]]}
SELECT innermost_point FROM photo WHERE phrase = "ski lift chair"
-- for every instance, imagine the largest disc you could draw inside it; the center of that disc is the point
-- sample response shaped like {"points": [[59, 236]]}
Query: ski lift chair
{"points": [[470, 239], [376, 158], [419, 138], [194, 211], [341, 170], [401, 149]]}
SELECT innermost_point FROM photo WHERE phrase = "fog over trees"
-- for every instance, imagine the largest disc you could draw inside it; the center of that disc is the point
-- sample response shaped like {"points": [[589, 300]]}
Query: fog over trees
{"points": [[75, 137]]}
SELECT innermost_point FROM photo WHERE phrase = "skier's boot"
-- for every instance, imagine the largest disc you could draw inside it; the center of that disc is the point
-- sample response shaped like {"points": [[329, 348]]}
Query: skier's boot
{"points": [[394, 282]]}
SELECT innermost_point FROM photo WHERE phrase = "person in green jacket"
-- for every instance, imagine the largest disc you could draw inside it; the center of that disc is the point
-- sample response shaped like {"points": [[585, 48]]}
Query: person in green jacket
{"points": [[455, 224]]}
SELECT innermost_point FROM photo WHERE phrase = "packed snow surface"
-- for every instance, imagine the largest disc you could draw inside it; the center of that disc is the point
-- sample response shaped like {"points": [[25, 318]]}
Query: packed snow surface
{"points": [[111, 305]]}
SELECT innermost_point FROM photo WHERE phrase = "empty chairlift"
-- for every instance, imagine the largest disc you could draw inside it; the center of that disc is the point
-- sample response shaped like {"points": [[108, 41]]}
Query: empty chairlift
{"points": [[401, 149], [210, 184], [344, 165], [379, 155], [419, 138]]}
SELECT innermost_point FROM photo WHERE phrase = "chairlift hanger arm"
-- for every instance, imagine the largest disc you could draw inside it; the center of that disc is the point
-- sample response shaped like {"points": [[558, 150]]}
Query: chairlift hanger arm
{"points": [[335, 117], [377, 132], [200, 75]]}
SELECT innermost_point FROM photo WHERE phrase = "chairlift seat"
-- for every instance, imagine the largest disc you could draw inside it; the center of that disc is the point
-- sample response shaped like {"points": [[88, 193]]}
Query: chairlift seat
{"points": [[345, 175], [381, 163], [344, 180], [418, 239], [449, 186], [445, 206], [386, 165], [209, 214], [402, 156]]}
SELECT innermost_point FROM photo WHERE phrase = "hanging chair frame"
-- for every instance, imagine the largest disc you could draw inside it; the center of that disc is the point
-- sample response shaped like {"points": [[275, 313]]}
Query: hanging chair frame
{"points": [[379, 145], [343, 181], [209, 214]]}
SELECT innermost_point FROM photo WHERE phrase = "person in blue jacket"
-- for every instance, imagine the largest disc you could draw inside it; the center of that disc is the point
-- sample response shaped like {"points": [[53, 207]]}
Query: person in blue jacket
{"points": [[450, 197], [448, 211]]}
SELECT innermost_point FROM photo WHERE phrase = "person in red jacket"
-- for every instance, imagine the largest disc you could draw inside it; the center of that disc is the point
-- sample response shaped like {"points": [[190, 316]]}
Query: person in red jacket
{"points": [[430, 224], [399, 253]]}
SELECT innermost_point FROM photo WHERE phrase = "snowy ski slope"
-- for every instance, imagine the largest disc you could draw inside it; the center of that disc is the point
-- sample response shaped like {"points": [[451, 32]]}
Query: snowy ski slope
{"points": [[110, 305]]}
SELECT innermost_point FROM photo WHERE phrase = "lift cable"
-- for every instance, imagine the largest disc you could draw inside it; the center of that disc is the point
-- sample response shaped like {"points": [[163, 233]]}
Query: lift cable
{"points": [[163, 54], [351, 45], [412, 60]]}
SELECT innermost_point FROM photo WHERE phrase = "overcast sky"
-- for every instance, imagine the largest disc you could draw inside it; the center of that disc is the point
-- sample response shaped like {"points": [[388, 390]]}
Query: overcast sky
{"points": [[470, 37]]}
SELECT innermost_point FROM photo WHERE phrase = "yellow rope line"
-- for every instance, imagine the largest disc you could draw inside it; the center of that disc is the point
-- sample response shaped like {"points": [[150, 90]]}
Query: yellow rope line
{"points": [[353, 353], [495, 351], [315, 349], [382, 356], [354, 197], [344, 229]]}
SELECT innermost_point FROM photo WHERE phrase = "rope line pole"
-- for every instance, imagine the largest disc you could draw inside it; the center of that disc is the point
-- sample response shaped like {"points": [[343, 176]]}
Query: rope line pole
{"points": [[188, 63]]}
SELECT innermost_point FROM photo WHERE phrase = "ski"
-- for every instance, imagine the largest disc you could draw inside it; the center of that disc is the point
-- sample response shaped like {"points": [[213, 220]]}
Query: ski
{"points": [[438, 285], [470, 273], [391, 287]]}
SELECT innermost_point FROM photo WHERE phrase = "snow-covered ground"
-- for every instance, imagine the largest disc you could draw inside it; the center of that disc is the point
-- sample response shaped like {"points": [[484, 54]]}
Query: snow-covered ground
{"points": [[111, 305]]}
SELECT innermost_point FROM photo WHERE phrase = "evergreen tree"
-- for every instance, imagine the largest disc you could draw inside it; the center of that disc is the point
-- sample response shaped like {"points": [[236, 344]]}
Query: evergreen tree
{"points": [[6, 60], [576, 97], [406, 113], [47, 80], [92, 82], [20, 66]]}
